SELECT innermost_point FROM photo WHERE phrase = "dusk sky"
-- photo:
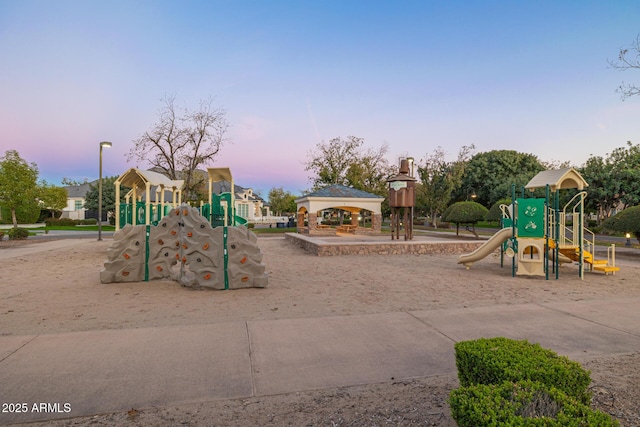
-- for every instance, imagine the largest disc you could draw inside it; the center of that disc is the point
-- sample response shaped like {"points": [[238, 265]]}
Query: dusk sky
{"points": [[530, 76]]}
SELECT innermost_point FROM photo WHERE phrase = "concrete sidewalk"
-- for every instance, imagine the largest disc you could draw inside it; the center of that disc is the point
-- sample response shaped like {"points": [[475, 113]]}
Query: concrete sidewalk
{"points": [[94, 372]]}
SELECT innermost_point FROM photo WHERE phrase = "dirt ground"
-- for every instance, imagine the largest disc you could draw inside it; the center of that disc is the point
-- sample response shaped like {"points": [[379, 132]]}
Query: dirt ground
{"points": [[59, 291]]}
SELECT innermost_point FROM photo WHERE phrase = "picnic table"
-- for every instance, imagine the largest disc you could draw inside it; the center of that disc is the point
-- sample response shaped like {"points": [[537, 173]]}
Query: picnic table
{"points": [[347, 228]]}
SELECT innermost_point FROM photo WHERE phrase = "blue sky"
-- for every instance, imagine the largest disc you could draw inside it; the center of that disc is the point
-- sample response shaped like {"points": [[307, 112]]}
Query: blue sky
{"points": [[530, 76]]}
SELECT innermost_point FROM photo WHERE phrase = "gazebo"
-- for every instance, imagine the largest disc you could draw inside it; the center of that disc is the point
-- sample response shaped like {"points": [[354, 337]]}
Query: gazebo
{"points": [[135, 211], [338, 197]]}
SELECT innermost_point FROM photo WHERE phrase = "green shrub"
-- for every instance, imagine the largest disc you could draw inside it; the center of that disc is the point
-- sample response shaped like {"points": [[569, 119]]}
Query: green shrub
{"points": [[465, 213], [494, 360], [251, 225], [88, 221], [18, 233], [1, 235], [63, 222], [523, 403], [626, 221]]}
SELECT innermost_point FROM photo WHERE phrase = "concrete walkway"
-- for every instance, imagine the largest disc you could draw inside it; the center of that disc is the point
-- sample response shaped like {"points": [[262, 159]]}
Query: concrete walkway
{"points": [[106, 371]]}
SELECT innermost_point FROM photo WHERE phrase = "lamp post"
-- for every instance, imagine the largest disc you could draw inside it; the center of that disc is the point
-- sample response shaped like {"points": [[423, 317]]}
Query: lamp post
{"points": [[471, 193], [102, 144], [628, 236]]}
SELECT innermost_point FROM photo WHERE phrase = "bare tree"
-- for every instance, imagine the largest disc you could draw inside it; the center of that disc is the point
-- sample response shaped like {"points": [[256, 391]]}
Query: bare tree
{"points": [[181, 141], [628, 59]]}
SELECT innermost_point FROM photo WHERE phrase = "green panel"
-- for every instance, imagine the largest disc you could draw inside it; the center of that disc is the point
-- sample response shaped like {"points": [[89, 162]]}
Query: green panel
{"points": [[217, 212], [146, 253], [531, 217], [140, 213], [125, 215]]}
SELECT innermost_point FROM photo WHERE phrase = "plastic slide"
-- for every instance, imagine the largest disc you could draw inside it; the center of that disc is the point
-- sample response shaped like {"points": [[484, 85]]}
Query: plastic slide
{"points": [[239, 220], [487, 248]]}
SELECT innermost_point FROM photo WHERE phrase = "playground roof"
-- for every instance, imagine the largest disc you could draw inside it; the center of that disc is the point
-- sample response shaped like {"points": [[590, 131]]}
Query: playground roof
{"points": [[136, 177], [219, 174], [558, 179]]}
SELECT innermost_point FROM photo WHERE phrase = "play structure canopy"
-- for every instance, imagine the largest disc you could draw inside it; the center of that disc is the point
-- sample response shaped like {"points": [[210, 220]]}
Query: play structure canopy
{"points": [[219, 174], [558, 179], [135, 177]]}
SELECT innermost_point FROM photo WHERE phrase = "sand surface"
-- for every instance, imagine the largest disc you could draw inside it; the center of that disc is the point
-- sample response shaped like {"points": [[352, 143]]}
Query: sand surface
{"points": [[57, 289]]}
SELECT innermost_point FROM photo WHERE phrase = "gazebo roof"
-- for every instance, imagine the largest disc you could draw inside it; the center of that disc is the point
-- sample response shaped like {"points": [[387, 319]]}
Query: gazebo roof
{"points": [[341, 197], [138, 178], [558, 179], [341, 191]]}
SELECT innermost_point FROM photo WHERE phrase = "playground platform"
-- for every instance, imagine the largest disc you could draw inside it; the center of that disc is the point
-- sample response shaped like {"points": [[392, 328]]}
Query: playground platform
{"points": [[381, 244]]}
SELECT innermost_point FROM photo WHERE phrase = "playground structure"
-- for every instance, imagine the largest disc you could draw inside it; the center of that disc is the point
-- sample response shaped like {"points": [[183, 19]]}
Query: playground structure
{"points": [[536, 233], [220, 211], [202, 248], [136, 211], [402, 200]]}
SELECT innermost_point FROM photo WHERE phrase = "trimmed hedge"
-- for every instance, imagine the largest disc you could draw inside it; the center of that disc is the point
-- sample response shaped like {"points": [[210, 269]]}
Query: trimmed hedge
{"points": [[494, 360], [18, 233], [525, 403], [59, 221], [507, 382]]}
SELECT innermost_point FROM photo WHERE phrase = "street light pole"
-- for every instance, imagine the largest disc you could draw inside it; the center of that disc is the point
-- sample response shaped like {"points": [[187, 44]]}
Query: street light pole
{"points": [[473, 193], [102, 144]]}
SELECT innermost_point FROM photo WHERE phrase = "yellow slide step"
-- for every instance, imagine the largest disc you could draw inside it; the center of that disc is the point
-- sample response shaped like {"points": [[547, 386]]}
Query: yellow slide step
{"points": [[596, 264], [606, 269]]}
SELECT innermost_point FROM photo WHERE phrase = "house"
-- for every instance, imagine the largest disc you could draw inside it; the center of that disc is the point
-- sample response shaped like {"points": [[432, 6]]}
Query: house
{"points": [[249, 205], [75, 201]]}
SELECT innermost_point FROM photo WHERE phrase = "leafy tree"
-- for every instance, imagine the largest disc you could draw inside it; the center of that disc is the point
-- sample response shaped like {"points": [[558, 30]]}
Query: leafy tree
{"points": [[370, 170], [613, 180], [330, 161], [27, 213], [439, 179], [626, 161], [108, 195], [18, 184], [181, 141], [491, 175], [626, 221], [465, 213], [604, 189], [52, 198], [281, 201], [628, 59]]}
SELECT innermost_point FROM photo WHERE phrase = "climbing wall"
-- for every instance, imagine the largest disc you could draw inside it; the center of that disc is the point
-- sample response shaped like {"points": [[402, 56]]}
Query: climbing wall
{"points": [[244, 267], [185, 248], [126, 256]]}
